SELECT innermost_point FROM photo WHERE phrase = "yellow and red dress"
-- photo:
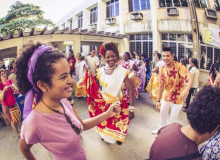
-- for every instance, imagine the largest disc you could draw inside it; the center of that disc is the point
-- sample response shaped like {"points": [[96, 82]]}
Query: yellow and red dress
{"points": [[114, 128]]}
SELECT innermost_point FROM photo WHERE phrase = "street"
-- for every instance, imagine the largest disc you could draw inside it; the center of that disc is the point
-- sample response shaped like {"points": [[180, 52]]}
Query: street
{"points": [[136, 146]]}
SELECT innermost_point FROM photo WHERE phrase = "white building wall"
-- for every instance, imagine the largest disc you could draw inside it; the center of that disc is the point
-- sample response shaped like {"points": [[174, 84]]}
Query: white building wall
{"points": [[155, 21]]}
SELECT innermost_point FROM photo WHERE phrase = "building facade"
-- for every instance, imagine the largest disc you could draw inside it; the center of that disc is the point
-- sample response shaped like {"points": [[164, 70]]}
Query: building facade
{"points": [[150, 25]]}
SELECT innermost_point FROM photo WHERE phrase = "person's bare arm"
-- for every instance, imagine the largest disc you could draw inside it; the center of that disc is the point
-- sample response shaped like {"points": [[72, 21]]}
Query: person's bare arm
{"points": [[155, 69], [160, 92], [130, 88], [217, 80], [210, 78], [135, 67], [185, 92], [2, 92], [26, 150]]}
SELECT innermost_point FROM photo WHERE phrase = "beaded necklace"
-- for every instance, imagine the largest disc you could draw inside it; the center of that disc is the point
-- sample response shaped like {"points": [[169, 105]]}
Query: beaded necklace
{"points": [[68, 119]]}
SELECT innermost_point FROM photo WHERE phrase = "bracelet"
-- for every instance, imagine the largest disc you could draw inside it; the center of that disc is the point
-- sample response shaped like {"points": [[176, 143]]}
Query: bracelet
{"points": [[158, 101]]}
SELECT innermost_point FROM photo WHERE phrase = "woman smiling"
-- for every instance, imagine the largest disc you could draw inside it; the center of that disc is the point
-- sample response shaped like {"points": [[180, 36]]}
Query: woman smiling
{"points": [[51, 122]]}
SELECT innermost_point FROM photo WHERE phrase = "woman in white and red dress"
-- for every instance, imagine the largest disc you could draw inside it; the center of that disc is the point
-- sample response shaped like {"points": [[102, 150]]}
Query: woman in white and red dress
{"points": [[130, 65]]}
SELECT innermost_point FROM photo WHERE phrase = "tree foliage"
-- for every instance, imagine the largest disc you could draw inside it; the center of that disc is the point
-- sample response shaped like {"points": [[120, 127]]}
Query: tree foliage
{"points": [[23, 16]]}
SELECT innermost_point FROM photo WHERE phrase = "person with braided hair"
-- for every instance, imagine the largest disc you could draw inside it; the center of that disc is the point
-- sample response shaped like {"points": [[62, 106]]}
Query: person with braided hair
{"points": [[52, 122], [112, 78]]}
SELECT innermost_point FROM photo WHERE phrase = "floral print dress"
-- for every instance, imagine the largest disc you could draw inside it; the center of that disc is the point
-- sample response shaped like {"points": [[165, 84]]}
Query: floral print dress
{"points": [[129, 66]]}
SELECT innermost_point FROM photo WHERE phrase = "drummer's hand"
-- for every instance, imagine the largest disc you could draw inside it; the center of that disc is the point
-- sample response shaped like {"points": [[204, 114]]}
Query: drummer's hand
{"points": [[114, 109]]}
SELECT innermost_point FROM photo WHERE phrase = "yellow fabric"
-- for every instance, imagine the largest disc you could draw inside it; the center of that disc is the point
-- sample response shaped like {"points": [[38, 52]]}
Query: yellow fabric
{"points": [[112, 85], [115, 134], [134, 80], [152, 87], [79, 91], [15, 114], [174, 80]]}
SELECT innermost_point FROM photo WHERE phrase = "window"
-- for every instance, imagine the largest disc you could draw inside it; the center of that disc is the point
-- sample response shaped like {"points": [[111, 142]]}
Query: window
{"points": [[112, 8], [173, 3], [94, 15], [137, 5], [217, 5], [209, 55], [81, 49], [142, 43], [92, 47], [181, 44], [80, 21], [200, 3]]}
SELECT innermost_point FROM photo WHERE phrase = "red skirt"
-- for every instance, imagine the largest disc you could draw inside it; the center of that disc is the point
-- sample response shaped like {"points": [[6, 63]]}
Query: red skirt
{"points": [[116, 126]]}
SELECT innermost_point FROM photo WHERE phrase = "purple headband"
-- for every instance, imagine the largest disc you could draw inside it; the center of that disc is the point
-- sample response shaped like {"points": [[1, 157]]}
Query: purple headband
{"points": [[29, 97]]}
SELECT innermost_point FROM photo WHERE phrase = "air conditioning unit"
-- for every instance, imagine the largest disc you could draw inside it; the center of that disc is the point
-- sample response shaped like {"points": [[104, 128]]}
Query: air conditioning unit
{"points": [[211, 14], [92, 27], [172, 11], [136, 16], [110, 21]]}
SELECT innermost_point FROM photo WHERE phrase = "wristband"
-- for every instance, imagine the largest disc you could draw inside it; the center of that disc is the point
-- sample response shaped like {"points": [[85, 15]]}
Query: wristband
{"points": [[131, 107], [158, 101]]}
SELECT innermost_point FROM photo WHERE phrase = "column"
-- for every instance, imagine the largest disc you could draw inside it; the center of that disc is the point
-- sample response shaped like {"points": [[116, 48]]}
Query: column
{"points": [[123, 10], [76, 44], [86, 18], [154, 27], [101, 15]]}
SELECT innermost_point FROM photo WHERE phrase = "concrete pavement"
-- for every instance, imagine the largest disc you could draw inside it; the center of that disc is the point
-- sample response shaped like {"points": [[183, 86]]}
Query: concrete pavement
{"points": [[136, 147]]}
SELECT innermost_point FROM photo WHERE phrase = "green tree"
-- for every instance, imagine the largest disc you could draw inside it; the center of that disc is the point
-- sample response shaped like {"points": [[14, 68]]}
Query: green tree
{"points": [[25, 17]]}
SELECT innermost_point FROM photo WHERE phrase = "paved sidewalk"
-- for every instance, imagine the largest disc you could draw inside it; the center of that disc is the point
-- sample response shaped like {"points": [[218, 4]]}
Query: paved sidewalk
{"points": [[136, 147]]}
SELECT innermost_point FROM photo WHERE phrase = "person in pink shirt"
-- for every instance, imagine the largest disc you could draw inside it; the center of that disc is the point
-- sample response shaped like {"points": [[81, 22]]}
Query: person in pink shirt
{"points": [[44, 73]]}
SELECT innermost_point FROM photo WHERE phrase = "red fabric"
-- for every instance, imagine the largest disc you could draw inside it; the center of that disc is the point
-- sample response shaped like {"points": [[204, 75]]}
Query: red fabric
{"points": [[12, 71], [72, 62], [96, 105], [8, 96]]}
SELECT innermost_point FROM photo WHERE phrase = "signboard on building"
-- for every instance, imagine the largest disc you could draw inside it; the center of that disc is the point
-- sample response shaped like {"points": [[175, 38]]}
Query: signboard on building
{"points": [[211, 36]]}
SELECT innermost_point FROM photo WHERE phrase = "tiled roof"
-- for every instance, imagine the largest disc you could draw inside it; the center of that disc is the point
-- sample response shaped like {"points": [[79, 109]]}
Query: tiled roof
{"points": [[56, 30]]}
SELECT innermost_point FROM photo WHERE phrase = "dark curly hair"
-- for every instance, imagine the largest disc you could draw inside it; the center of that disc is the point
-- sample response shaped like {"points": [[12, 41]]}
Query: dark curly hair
{"points": [[1, 70], [127, 53], [43, 69], [195, 62], [112, 47], [214, 67], [133, 55], [204, 112]]}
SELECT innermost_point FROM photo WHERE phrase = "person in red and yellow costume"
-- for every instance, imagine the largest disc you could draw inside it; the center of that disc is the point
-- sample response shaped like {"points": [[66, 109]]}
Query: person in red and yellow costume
{"points": [[72, 61], [112, 78], [172, 77]]}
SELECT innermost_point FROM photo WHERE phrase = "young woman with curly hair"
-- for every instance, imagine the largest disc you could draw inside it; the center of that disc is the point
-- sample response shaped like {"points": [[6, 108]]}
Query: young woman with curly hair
{"points": [[51, 122], [130, 65], [112, 78]]}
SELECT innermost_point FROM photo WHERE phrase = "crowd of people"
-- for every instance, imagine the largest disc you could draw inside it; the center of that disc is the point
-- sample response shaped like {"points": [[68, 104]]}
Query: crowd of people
{"points": [[111, 82]]}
